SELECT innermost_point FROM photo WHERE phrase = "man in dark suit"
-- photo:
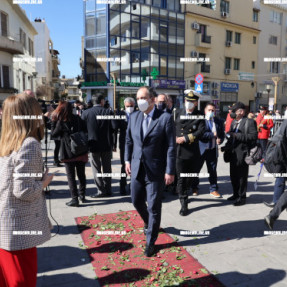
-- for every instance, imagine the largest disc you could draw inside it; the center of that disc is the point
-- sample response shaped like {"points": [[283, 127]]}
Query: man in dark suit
{"points": [[189, 122], [150, 160], [100, 136], [208, 145], [122, 126], [240, 140]]}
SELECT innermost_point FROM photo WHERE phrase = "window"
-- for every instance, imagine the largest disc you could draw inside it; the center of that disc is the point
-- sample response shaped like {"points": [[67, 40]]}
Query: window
{"points": [[23, 38], [255, 15], [274, 67], [31, 47], [100, 23], [24, 81], [135, 57], [253, 65], [224, 6], [254, 40], [90, 24], [273, 40], [135, 29], [163, 31], [4, 24], [237, 38], [236, 64], [276, 17], [228, 36], [114, 41], [157, 3], [145, 28], [4, 77], [227, 63]]}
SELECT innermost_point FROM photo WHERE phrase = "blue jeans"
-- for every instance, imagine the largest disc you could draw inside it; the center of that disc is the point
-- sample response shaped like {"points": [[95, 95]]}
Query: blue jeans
{"points": [[279, 188]]}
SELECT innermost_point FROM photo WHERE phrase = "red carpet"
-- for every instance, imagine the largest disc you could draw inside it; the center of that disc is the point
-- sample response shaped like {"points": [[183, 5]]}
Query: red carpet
{"points": [[118, 260]]}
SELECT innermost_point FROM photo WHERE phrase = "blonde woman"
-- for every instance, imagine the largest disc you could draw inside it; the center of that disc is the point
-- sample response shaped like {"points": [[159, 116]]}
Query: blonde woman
{"points": [[24, 221]]}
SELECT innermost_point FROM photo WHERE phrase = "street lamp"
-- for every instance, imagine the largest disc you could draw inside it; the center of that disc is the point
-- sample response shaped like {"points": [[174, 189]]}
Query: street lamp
{"points": [[268, 89]]}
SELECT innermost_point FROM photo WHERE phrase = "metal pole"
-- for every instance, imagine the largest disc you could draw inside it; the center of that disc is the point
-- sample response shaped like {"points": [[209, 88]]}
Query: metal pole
{"points": [[275, 80]]}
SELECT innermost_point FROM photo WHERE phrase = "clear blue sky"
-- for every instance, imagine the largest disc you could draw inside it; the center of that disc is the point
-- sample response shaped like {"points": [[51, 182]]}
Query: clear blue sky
{"points": [[64, 19]]}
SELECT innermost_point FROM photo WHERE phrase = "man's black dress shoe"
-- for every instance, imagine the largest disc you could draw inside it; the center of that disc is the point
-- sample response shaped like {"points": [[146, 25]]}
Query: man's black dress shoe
{"points": [[232, 197], [239, 202], [73, 202], [149, 250], [183, 211], [269, 221], [269, 204], [57, 164], [82, 198]]}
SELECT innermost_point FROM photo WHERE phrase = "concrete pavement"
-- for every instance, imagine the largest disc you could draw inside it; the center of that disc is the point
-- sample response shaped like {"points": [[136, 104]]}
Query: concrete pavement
{"points": [[236, 251]]}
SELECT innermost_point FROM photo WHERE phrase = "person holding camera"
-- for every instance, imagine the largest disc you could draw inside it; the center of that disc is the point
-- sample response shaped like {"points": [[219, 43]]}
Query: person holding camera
{"points": [[240, 138]]}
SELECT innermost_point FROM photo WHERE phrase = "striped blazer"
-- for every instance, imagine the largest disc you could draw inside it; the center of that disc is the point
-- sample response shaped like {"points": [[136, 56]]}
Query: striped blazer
{"points": [[24, 221]]}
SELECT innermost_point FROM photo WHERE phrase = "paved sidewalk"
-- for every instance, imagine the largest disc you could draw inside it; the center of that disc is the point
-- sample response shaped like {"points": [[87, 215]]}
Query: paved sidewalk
{"points": [[236, 250]]}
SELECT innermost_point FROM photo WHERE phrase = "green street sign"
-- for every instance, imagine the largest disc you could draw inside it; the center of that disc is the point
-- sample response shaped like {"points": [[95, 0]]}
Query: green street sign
{"points": [[154, 73]]}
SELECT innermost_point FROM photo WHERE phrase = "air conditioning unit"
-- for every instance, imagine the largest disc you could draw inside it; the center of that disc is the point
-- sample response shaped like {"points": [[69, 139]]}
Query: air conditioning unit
{"points": [[195, 26], [227, 71], [214, 85], [228, 43], [214, 93], [224, 14], [194, 54]]}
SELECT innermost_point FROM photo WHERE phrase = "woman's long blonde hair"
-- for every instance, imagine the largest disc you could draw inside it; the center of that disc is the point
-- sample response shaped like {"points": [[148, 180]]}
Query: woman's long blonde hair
{"points": [[15, 131]]}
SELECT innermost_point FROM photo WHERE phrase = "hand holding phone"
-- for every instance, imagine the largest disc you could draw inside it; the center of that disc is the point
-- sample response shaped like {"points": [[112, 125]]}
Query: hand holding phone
{"points": [[47, 178]]}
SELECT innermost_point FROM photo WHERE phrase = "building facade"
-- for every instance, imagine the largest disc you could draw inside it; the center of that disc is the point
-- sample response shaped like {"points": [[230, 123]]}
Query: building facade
{"points": [[272, 54], [17, 61], [47, 66], [131, 45], [221, 44]]}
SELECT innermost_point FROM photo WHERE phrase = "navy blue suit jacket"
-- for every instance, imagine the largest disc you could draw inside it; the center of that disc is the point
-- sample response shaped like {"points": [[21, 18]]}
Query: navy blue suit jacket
{"points": [[156, 150], [208, 135]]}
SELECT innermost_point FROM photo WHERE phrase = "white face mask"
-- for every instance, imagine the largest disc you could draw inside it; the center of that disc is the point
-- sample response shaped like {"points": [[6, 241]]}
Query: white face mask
{"points": [[143, 105], [129, 110], [209, 115], [189, 105]]}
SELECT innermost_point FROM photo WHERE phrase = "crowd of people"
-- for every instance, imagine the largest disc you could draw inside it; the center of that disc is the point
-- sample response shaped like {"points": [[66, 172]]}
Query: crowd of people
{"points": [[161, 147]]}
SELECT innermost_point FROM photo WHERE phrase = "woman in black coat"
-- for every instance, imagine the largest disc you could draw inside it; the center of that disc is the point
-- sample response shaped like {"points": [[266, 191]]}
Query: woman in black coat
{"points": [[63, 124]]}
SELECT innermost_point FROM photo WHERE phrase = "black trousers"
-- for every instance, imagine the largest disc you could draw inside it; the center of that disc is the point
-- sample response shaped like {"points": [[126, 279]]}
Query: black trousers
{"points": [[280, 206], [143, 190], [123, 181], [239, 176], [101, 162], [71, 169], [56, 150], [185, 183]]}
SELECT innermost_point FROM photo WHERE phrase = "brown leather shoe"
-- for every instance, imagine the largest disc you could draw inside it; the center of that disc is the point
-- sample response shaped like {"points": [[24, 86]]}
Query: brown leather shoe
{"points": [[215, 194]]}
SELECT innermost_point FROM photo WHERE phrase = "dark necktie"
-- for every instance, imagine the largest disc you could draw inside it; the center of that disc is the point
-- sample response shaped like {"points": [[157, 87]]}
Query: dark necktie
{"points": [[210, 126]]}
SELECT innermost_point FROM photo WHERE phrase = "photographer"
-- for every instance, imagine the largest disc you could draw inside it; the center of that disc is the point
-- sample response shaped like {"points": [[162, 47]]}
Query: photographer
{"points": [[239, 139]]}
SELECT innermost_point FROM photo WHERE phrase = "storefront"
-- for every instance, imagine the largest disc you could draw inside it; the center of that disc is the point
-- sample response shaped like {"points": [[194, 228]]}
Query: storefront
{"points": [[228, 96]]}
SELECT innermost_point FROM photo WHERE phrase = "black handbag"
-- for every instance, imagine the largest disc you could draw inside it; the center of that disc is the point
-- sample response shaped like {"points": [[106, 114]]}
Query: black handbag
{"points": [[79, 142]]}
